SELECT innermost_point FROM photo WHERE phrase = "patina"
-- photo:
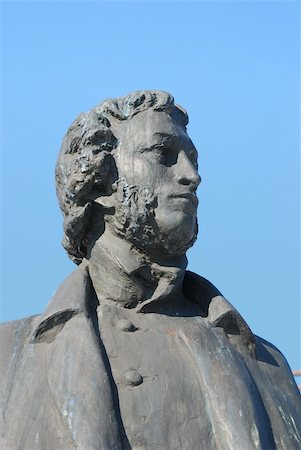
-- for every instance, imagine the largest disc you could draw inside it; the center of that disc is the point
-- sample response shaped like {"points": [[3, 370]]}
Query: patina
{"points": [[134, 351]]}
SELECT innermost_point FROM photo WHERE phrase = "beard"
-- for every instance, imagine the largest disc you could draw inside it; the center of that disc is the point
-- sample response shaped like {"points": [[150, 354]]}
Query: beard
{"points": [[135, 220]]}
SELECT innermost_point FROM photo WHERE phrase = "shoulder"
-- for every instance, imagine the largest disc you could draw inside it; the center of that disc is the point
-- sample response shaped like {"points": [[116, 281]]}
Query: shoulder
{"points": [[13, 336], [271, 358], [16, 330], [276, 382]]}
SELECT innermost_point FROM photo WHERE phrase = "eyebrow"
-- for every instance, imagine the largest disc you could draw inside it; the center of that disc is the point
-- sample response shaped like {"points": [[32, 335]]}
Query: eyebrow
{"points": [[166, 139], [166, 135], [171, 137]]}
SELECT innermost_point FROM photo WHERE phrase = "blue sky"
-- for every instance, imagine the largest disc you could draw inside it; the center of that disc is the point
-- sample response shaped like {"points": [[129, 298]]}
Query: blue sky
{"points": [[234, 66]]}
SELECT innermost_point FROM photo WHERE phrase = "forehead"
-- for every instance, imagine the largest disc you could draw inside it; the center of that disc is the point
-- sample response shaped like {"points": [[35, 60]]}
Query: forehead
{"points": [[150, 127]]}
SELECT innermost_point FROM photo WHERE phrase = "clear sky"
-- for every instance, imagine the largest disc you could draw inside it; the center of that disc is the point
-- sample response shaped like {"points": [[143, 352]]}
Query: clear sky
{"points": [[234, 66]]}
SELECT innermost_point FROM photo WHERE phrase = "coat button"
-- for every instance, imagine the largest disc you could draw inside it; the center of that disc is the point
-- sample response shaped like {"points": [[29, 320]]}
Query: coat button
{"points": [[132, 378], [125, 325]]}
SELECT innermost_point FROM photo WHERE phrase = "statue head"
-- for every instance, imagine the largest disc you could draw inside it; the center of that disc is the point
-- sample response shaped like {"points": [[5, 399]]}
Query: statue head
{"points": [[128, 164]]}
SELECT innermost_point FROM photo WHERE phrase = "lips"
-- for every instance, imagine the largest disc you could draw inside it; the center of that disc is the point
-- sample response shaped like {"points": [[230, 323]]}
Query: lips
{"points": [[188, 196]]}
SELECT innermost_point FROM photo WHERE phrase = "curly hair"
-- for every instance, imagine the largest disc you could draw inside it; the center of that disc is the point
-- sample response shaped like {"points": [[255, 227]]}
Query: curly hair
{"points": [[86, 167]]}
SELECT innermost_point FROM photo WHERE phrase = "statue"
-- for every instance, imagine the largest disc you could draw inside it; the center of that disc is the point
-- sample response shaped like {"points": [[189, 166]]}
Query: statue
{"points": [[133, 351]]}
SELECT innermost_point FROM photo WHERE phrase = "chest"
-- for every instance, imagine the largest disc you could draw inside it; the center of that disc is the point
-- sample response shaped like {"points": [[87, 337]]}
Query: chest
{"points": [[180, 384]]}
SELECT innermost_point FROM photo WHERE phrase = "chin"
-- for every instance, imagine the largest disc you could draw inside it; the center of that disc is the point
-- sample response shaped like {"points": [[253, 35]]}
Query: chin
{"points": [[179, 239]]}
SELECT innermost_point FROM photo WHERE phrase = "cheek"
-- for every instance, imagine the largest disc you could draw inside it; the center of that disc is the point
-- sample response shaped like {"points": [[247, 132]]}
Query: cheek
{"points": [[139, 171]]}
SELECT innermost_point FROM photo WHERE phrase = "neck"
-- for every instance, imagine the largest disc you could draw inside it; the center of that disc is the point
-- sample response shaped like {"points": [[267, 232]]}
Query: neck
{"points": [[122, 274]]}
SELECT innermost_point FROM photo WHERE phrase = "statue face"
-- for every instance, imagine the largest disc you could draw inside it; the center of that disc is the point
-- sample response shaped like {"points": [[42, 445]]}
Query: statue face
{"points": [[158, 178]]}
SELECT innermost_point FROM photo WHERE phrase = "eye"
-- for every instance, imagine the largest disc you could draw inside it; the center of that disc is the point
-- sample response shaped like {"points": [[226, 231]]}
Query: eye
{"points": [[165, 155]]}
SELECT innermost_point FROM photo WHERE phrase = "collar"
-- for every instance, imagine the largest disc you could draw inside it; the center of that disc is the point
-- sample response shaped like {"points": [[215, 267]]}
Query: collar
{"points": [[74, 296], [129, 277]]}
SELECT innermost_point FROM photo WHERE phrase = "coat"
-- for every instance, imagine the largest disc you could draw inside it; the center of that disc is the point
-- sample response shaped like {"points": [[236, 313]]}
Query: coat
{"points": [[59, 388]]}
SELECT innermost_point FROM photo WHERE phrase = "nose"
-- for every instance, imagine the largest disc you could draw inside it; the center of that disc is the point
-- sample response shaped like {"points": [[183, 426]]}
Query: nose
{"points": [[186, 173]]}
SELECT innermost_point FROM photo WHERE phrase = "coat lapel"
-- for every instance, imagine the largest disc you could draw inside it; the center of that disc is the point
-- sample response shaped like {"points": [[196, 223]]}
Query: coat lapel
{"points": [[219, 312], [78, 372]]}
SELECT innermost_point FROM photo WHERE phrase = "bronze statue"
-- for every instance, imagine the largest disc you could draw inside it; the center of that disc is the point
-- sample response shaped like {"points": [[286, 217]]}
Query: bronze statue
{"points": [[133, 351]]}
